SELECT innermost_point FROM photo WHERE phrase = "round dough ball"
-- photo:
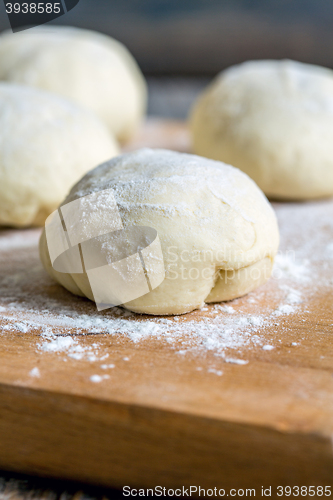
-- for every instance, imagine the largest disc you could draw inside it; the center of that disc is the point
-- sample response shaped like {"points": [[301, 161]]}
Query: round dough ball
{"points": [[46, 144], [218, 232], [274, 121], [92, 69]]}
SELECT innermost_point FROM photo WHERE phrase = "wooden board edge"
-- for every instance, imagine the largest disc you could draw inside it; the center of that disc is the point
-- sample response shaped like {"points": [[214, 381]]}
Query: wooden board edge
{"points": [[113, 444]]}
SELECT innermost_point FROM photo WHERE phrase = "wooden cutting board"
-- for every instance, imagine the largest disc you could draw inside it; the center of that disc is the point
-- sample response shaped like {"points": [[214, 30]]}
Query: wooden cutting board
{"points": [[254, 408]]}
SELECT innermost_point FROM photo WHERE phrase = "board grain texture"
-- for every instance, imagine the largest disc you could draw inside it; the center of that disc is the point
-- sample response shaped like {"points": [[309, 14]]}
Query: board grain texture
{"points": [[164, 417]]}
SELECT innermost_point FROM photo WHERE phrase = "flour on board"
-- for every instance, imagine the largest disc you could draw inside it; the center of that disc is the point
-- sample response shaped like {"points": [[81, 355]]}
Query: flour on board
{"points": [[31, 302]]}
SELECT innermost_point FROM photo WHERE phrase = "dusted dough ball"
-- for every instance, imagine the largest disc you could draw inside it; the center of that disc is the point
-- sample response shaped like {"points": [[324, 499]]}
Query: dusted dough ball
{"points": [[92, 69], [218, 232], [46, 144], [274, 121]]}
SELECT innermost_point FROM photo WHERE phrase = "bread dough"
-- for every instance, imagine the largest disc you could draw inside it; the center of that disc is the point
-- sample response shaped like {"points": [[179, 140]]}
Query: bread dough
{"points": [[46, 144], [218, 232], [274, 121], [92, 69]]}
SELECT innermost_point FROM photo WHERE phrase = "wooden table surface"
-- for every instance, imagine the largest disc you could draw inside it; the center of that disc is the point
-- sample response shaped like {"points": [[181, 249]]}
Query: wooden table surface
{"points": [[257, 411]]}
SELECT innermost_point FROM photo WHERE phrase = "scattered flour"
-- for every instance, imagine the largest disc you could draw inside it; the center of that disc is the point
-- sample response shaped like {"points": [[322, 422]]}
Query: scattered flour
{"points": [[31, 301], [35, 372], [217, 372], [329, 249], [12, 240], [98, 378], [286, 266], [225, 308], [284, 309], [236, 361]]}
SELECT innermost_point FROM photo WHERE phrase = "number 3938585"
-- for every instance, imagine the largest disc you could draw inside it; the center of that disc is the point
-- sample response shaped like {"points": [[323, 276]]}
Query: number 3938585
{"points": [[33, 8]]}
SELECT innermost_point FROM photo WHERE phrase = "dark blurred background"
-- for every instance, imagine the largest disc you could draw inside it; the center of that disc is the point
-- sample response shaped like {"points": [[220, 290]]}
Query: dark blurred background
{"points": [[200, 37], [173, 40]]}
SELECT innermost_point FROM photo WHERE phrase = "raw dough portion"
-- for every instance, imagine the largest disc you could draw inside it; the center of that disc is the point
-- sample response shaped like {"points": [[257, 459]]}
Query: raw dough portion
{"points": [[218, 233], [46, 144], [92, 69], [274, 121]]}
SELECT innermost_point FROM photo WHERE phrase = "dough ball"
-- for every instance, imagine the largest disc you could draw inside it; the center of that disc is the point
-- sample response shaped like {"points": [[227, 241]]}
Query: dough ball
{"points": [[92, 69], [46, 144], [218, 233], [274, 121]]}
